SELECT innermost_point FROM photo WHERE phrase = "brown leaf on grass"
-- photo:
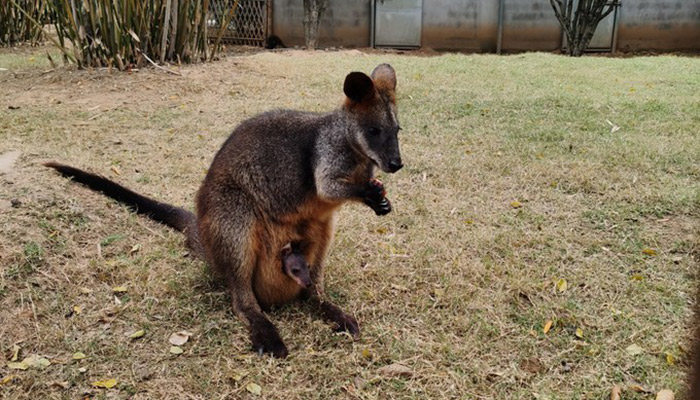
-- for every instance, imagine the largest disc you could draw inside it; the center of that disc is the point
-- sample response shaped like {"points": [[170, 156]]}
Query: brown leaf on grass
{"points": [[176, 350], [532, 365], [79, 355], [395, 370], [179, 338], [665, 394], [516, 204], [115, 170], [639, 389], [615, 393], [119, 289], [62, 385]]}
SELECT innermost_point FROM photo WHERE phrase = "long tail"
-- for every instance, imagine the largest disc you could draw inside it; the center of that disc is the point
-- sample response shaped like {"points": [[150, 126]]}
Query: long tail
{"points": [[175, 217]]}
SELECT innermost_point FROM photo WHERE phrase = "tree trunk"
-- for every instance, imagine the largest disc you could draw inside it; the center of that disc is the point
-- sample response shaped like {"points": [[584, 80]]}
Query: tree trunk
{"points": [[579, 26], [313, 11]]}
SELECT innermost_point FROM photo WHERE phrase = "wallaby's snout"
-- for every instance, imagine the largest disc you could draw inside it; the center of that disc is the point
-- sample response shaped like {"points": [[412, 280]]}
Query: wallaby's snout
{"points": [[395, 165]]}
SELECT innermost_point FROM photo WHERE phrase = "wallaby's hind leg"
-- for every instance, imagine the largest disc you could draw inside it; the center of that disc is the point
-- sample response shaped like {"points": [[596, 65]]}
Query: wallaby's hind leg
{"points": [[319, 236], [232, 252], [263, 334]]}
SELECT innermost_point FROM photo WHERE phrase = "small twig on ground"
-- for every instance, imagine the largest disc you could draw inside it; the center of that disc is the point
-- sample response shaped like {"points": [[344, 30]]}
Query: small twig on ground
{"points": [[159, 67]]}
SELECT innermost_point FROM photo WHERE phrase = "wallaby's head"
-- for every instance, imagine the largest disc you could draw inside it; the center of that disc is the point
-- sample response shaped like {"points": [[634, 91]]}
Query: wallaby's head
{"points": [[371, 103]]}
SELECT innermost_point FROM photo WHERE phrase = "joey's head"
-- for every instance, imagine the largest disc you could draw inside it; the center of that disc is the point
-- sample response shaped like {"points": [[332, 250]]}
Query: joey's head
{"points": [[371, 105], [294, 264]]}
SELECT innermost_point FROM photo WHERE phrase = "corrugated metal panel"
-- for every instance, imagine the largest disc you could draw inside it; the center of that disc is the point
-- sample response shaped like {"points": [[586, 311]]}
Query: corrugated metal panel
{"points": [[398, 23]]}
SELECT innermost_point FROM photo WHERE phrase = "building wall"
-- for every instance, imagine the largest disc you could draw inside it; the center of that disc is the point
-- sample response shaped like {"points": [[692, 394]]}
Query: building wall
{"points": [[472, 25]]}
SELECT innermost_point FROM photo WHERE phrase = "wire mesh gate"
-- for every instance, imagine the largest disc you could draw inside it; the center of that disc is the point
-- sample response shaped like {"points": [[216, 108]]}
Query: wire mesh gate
{"points": [[249, 25]]}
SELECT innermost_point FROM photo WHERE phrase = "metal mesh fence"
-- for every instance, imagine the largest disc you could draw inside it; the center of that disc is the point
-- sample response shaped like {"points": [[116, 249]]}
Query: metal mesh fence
{"points": [[248, 25]]}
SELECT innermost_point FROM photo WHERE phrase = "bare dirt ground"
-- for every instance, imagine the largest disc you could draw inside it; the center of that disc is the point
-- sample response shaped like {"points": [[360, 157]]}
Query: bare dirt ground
{"points": [[544, 243]]}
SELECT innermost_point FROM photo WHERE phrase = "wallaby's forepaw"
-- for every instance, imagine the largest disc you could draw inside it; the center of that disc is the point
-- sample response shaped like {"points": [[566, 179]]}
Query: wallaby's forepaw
{"points": [[347, 323], [375, 197], [268, 341]]}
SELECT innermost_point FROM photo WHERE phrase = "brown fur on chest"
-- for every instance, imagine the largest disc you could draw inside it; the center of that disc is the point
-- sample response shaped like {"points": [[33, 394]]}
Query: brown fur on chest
{"points": [[311, 224]]}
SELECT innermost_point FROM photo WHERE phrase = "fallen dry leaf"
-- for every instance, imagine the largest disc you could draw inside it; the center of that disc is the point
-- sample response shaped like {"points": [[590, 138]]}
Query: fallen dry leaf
{"points": [[639, 389], [62, 385], [6, 380], [17, 365], [119, 289], [107, 383], [579, 333], [516, 204], [77, 309], [634, 349], [670, 359], [665, 394], [547, 326], [395, 370], [179, 338], [532, 365], [138, 334], [15, 353], [176, 350], [115, 170], [615, 393], [649, 252], [254, 388], [7, 161], [79, 355], [135, 249], [562, 285]]}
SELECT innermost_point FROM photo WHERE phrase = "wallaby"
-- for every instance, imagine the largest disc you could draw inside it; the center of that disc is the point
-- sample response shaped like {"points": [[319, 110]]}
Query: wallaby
{"points": [[279, 177], [295, 265]]}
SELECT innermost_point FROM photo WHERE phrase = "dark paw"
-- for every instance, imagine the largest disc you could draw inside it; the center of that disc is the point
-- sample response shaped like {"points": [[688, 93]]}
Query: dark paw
{"points": [[383, 207], [374, 191], [269, 343], [347, 323]]}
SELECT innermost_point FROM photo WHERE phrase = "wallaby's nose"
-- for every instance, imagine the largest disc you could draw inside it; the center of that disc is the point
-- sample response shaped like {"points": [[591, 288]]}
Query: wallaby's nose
{"points": [[395, 166]]}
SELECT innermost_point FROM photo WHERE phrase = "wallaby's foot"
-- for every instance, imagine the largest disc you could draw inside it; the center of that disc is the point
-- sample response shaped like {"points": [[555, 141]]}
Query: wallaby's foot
{"points": [[266, 340], [375, 197], [342, 322]]}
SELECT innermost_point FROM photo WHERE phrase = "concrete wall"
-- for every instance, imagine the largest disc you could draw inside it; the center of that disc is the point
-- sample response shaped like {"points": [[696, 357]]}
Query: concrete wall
{"points": [[345, 23], [471, 25], [659, 25]]}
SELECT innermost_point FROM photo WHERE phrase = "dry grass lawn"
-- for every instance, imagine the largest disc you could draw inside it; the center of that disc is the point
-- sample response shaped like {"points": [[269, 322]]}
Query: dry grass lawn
{"points": [[520, 203]]}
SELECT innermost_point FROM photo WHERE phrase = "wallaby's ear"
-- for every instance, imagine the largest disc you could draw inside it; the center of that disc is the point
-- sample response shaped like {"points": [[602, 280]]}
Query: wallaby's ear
{"points": [[358, 86], [384, 78]]}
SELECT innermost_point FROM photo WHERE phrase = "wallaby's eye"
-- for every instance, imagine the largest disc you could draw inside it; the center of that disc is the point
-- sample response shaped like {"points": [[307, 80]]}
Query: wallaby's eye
{"points": [[295, 271], [374, 131]]}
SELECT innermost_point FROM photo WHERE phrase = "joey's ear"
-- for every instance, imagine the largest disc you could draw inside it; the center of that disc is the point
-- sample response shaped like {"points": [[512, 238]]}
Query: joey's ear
{"points": [[358, 86], [384, 78], [286, 250]]}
